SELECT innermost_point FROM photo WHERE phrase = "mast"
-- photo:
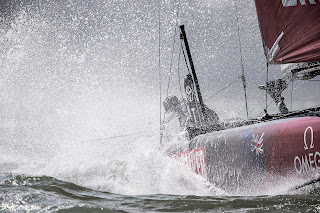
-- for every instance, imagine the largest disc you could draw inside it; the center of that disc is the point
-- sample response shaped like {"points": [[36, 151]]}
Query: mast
{"points": [[194, 75]]}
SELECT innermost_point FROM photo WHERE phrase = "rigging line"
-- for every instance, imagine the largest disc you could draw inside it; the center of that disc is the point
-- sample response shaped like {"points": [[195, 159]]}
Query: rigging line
{"points": [[179, 75], [117, 136], [185, 59], [266, 109], [241, 60], [171, 61], [312, 181], [223, 89], [39, 7], [276, 96], [272, 101], [262, 113], [173, 46], [291, 93], [306, 80], [159, 66]]}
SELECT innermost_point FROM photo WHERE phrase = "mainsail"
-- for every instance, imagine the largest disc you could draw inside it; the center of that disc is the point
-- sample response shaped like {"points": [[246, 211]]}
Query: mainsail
{"points": [[290, 30]]}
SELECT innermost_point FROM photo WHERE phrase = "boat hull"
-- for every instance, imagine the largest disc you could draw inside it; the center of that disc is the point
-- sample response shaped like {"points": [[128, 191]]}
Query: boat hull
{"points": [[250, 158]]}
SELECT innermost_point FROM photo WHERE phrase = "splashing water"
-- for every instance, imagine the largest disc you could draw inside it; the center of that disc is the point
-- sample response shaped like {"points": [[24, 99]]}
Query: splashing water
{"points": [[132, 165], [65, 81], [78, 72]]}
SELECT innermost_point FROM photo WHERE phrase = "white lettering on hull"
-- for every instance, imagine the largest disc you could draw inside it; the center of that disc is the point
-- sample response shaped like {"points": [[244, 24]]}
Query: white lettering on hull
{"points": [[307, 163], [310, 162], [305, 138], [290, 3]]}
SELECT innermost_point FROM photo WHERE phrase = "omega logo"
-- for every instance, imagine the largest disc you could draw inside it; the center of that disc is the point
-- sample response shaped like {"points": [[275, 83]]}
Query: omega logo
{"points": [[305, 138], [309, 162]]}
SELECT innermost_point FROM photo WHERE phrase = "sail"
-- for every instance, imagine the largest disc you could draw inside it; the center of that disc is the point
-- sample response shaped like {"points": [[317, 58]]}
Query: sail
{"points": [[290, 30]]}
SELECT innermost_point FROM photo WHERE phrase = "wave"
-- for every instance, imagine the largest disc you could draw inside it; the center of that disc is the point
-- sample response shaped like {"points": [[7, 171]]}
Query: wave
{"points": [[23, 193], [133, 165]]}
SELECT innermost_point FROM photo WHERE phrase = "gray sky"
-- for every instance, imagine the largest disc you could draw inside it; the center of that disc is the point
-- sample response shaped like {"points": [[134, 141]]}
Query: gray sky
{"points": [[90, 68]]}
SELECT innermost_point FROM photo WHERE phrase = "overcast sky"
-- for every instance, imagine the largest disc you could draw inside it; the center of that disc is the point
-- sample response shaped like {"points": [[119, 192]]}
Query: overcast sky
{"points": [[91, 67]]}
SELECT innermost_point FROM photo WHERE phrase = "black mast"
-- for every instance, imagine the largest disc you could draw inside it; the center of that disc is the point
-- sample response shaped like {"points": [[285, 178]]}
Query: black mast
{"points": [[195, 79]]}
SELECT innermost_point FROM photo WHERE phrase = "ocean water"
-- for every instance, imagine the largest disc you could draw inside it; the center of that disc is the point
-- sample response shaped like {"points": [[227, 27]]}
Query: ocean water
{"points": [[117, 175], [21, 193]]}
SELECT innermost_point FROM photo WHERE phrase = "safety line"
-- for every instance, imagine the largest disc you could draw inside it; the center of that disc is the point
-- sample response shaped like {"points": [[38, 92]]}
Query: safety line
{"points": [[223, 89]]}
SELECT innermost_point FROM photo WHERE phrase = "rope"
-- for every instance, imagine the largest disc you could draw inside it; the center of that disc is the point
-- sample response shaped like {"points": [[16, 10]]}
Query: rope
{"points": [[266, 109], [273, 101], [270, 103], [185, 59], [241, 60], [159, 66], [291, 93], [39, 7], [315, 180], [179, 75], [263, 112], [171, 61], [173, 47], [306, 80], [117, 136], [223, 89]]}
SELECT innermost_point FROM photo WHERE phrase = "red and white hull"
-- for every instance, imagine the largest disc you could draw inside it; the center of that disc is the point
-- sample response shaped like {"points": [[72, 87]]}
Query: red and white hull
{"points": [[258, 155]]}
